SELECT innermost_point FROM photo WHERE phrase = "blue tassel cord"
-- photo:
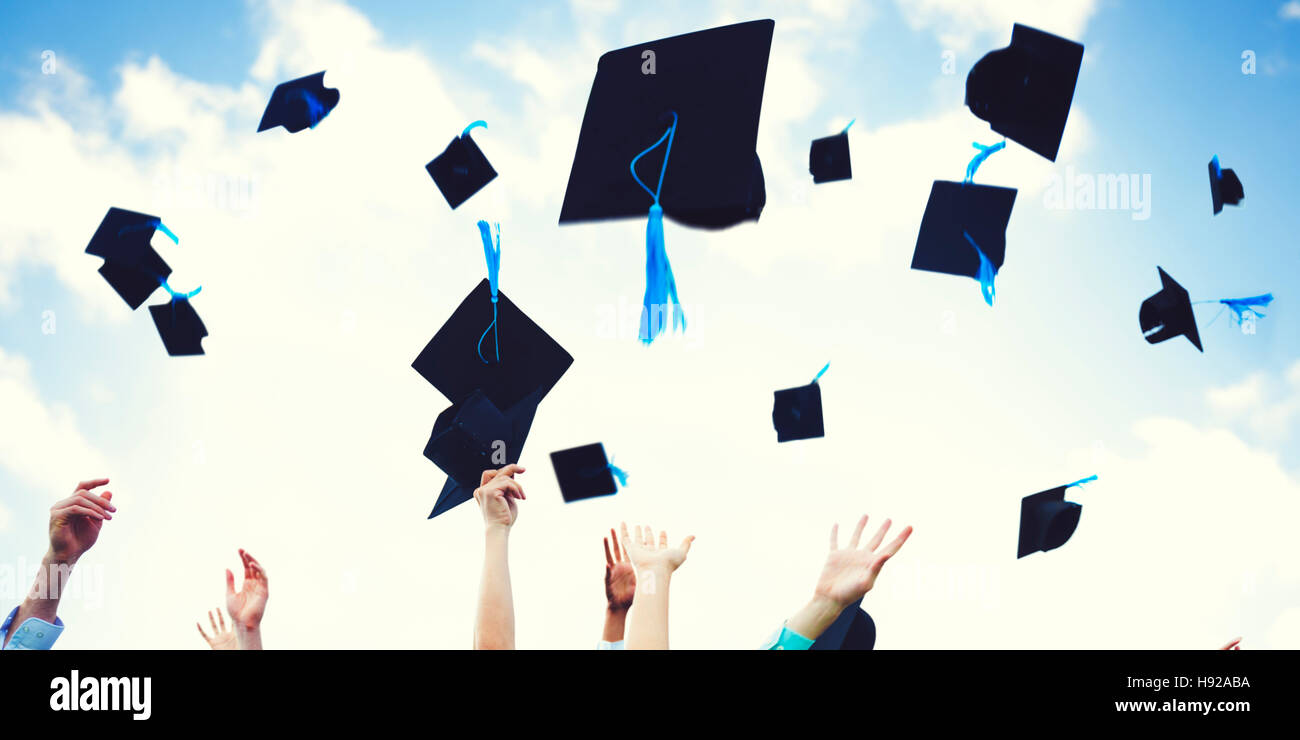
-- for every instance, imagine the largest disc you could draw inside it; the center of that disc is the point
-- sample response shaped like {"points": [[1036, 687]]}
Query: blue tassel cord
{"points": [[315, 110], [1081, 481], [471, 127], [821, 372], [155, 224], [1242, 308], [986, 272], [985, 153], [660, 287], [619, 474], [491, 236]]}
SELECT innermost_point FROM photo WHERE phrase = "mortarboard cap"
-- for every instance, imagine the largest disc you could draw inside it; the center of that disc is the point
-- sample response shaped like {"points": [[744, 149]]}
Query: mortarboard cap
{"points": [[797, 413], [520, 419], [1046, 521], [713, 80], [828, 158], [584, 472], [530, 360], [1024, 91], [954, 210], [299, 104], [131, 265], [1225, 187], [180, 327], [853, 629], [1168, 314], [461, 170], [466, 436]]}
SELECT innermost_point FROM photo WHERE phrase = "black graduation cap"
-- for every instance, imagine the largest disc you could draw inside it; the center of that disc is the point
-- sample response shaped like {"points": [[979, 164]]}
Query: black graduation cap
{"points": [[461, 170], [954, 211], [453, 361], [1046, 521], [713, 80], [1168, 314], [299, 104], [797, 412], [853, 629], [585, 472], [520, 419], [1024, 91], [1225, 187], [465, 436], [131, 265], [828, 158], [180, 327]]}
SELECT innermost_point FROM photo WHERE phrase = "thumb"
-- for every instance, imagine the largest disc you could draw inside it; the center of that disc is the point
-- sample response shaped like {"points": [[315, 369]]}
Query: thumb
{"points": [[230, 583], [108, 495], [686, 544]]}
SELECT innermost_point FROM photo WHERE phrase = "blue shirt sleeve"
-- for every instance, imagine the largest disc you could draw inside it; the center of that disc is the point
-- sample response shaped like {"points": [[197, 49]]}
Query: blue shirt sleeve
{"points": [[32, 634], [787, 639], [603, 645]]}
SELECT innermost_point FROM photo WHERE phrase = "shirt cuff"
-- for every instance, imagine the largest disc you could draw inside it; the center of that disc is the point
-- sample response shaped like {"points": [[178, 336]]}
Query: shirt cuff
{"points": [[32, 634], [787, 639], [604, 645]]}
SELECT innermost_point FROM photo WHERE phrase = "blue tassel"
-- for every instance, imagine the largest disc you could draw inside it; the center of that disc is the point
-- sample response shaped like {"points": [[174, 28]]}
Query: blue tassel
{"points": [[1239, 306], [986, 272], [822, 372], [660, 287], [492, 251], [1081, 481], [471, 127], [619, 473], [154, 224], [315, 111], [1218, 173], [985, 153]]}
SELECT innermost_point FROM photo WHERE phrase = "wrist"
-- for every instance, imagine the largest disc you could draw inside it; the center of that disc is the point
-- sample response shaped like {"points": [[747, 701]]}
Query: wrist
{"points": [[54, 557], [496, 529], [616, 612]]}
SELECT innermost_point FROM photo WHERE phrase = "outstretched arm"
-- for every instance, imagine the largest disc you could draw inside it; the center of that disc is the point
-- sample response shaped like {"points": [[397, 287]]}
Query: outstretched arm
{"points": [[648, 617], [75, 523], [494, 626], [848, 575]]}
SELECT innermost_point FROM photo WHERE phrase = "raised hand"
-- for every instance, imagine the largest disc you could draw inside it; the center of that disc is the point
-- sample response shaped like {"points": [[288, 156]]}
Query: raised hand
{"points": [[496, 496], [248, 604], [850, 572], [75, 522], [1234, 645], [620, 577], [643, 553], [222, 638]]}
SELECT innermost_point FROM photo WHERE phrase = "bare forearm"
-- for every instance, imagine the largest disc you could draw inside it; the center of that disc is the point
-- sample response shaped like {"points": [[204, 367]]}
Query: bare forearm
{"points": [[494, 626], [615, 620], [42, 600], [648, 618], [813, 619]]}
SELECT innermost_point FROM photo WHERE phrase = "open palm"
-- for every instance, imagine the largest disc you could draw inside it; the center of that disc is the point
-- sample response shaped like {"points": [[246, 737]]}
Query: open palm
{"points": [[850, 572], [248, 604], [620, 576]]}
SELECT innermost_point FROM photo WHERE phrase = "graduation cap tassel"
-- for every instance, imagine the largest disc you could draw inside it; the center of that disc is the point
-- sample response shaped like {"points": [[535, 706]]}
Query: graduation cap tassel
{"points": [[315, 110], [985, 153], [986, 272], [821, 372], [619, 473], [492, 250], [1241, 306], [1081, 481], [660, 287]]}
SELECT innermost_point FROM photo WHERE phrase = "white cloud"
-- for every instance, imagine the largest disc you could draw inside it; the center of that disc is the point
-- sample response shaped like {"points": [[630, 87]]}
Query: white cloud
{"points": [[40, 443], [959, 23], [1270, 407], [1290, 10]]}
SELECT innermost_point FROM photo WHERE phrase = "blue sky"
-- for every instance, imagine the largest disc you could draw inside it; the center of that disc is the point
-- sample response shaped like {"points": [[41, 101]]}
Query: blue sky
{"points": [[318, 298]]}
